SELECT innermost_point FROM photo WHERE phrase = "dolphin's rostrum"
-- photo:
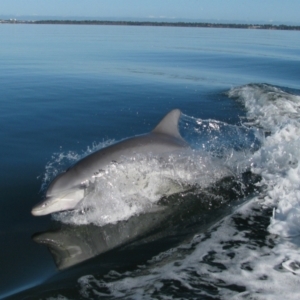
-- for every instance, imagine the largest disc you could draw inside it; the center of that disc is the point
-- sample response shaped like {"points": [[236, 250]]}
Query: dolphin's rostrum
{"points": [[67, 189]]}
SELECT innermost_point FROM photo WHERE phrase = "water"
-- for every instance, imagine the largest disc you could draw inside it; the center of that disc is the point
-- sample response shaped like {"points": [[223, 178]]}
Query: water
{"points": [[231, 227]]}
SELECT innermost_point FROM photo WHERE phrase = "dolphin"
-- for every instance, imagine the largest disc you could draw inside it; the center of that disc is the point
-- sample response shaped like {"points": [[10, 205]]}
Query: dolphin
{"points": [[68, 188]]}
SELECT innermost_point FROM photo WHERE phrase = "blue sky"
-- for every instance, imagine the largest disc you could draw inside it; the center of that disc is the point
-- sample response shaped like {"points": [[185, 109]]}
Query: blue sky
{"points": [[223, 10]]}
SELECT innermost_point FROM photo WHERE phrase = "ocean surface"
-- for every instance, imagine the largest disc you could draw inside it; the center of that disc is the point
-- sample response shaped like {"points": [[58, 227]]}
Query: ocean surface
{"points": [[219, 221]]}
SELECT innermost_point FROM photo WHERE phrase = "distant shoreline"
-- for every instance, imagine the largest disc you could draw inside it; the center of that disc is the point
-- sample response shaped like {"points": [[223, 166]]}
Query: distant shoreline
{"points": [[158, 24]]}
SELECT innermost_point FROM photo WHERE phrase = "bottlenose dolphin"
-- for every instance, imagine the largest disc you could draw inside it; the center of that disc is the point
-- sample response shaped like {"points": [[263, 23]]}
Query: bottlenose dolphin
{"points": [[67, 189]]}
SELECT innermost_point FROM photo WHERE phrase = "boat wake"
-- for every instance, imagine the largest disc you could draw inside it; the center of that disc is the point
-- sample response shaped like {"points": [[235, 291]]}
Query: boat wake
{"points": [[253, 251]]}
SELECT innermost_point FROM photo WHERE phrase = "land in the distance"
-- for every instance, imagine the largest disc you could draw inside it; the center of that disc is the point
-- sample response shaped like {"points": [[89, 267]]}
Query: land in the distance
{"points": [[148, 23]]}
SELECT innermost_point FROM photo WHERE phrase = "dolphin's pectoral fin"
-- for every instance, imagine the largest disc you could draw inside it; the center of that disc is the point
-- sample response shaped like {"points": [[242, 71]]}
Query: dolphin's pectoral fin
{"points": [[169, 124]]}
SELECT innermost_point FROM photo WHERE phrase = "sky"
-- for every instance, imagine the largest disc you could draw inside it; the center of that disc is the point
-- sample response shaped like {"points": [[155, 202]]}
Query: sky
{"points": [[219, 10]]}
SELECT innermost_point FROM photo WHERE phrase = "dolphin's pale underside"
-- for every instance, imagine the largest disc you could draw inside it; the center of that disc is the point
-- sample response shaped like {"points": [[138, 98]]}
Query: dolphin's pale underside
{"points": [[67, 189]]}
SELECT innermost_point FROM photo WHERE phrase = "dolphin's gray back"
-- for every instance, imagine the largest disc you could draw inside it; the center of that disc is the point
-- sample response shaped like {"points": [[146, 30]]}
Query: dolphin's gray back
{"points": [[152, 143]]}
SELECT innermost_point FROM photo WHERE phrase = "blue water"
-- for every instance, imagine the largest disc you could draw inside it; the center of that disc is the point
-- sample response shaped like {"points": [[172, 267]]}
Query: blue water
{"points": [[64, 88]]}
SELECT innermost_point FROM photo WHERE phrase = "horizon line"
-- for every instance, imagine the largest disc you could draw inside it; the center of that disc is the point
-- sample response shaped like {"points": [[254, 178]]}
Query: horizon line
{"points": [[154, 23]]}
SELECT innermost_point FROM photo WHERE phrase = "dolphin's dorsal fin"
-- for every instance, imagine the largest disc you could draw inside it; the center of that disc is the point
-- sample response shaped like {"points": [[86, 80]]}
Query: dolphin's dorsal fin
{"points": [[169, 124]]}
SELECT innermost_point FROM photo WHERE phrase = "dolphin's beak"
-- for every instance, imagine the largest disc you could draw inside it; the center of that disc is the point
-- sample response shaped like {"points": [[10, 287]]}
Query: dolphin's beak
{"points": [[45, 207], [65, 201]]}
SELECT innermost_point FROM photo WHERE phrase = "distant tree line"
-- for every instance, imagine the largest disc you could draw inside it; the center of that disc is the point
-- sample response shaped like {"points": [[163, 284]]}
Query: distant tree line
{"points": [[167, 24]]}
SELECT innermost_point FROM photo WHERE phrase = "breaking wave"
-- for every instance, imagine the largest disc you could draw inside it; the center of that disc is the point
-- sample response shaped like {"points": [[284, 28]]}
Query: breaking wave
{"points": [[277, 112]]}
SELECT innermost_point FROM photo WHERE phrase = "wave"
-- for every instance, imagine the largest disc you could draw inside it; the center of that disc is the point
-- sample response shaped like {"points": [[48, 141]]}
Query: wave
{"points": [[246, 254]]}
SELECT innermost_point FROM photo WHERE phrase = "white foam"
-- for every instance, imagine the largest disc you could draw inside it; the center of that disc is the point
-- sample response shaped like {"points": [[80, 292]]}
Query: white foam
{"points": [[277, 112], [225, 262]]}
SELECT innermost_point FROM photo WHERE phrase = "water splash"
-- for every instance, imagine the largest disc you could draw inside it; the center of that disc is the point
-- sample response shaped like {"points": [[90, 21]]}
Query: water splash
{"points": [[135, 185]]}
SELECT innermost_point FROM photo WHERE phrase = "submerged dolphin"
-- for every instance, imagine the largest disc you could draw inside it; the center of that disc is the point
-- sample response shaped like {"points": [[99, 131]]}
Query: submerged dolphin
{"points": [[67, 189]]}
